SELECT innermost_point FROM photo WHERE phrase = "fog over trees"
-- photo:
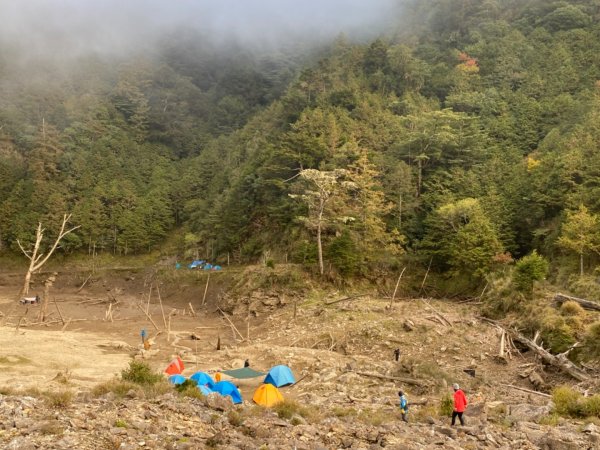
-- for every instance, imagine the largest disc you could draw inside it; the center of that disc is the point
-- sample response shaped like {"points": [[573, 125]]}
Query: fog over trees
{"points": [[465, 133]]}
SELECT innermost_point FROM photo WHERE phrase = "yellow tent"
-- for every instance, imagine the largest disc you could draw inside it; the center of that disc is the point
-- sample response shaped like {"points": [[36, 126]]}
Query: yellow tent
{"points": [[267, 395]]}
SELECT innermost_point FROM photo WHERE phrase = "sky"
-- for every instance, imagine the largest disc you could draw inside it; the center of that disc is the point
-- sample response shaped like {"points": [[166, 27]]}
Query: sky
{"points": [[105, 26]]}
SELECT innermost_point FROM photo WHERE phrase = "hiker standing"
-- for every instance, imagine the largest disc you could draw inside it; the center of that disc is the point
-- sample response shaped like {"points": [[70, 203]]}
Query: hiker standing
{"points": [[403, 406], [460, 404]]}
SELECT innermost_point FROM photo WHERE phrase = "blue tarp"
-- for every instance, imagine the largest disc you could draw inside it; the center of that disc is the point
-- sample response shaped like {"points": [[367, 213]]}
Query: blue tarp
{"points": [[228, 388], [176, 379], [196, 263], [280, 376], [203, 379]]}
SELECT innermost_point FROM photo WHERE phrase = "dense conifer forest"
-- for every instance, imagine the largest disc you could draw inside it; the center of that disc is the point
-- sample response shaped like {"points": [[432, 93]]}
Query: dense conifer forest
{"points": [[465, 138]]}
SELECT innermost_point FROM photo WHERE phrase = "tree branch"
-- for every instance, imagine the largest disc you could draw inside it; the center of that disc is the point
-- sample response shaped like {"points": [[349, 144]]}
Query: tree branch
{"points": [[61, 235]]}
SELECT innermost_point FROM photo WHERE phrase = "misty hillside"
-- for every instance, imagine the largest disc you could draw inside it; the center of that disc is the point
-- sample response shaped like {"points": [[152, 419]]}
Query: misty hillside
{"points": [[456, 135]]}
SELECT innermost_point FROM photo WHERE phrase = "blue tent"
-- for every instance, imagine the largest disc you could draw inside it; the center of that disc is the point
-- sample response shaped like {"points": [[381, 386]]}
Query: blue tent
{"points": [[204, 389], [203, 379], [176, 379], [228, 388], [280, 376], [196, 263], [208, 266]]}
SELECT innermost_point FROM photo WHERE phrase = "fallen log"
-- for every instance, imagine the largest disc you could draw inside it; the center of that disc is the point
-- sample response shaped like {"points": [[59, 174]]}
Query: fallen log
{"points": [[233, 327], [353, 297], [527, 390], [560, 361], [387, 377], [586, 304]]}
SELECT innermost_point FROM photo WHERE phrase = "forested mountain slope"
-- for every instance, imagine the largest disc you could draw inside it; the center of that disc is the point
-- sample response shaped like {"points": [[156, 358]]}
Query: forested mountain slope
{"points": [[466, 136]]}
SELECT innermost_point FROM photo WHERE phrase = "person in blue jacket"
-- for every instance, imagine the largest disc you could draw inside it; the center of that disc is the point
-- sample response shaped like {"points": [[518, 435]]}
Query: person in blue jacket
{"points": [[403, 406]]}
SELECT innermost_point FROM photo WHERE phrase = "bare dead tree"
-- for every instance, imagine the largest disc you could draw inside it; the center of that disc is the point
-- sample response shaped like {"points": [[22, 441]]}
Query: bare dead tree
{"points": [[36, 259]]}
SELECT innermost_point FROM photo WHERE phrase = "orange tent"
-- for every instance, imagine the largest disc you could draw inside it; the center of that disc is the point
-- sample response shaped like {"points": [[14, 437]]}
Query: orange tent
{"points": [[267, 395], [175, 367]]}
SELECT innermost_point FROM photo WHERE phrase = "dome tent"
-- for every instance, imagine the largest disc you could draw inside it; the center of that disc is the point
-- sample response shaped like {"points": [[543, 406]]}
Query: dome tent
{"points": [[228, 388], [280, 376], [267, 395], [203, 379], [205, 390], [176, 379]]}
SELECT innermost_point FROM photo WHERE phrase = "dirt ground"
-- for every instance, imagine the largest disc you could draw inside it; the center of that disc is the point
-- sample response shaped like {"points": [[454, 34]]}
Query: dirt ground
{"points": [[81, 343]]}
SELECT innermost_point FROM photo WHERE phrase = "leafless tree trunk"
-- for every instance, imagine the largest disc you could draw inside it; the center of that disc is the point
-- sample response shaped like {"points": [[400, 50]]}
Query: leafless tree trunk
{"points": [[36, 259], [46, 299]]}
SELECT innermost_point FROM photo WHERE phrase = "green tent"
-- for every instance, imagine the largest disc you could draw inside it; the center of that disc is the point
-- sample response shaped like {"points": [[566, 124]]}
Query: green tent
{"points": [[243, 373]]}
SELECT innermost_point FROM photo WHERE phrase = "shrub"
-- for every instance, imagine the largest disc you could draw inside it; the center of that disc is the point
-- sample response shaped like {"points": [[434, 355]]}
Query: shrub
{"points": [[528, 270], [559, 338], [591, 406], [58, 399], [446, 405], [591, 342], [189, 388], [571, 308], [140, 373], [343, 254], [567, 402], [287, 408], [235, 418]]}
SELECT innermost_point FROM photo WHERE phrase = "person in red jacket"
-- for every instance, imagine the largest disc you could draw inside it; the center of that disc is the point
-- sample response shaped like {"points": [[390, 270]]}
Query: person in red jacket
{"points": [[460, 404]]}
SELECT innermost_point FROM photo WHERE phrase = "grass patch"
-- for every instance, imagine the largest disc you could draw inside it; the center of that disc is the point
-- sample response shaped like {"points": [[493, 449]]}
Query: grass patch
{"points": [[140, 372], [120, 423], [551, 420], [339, 411], [52, 427], [430, 370], [122, 388], [570, 403], [376, 417], [58, 399], [288, 408], [118, 387], [6, 390], [571, 308]]}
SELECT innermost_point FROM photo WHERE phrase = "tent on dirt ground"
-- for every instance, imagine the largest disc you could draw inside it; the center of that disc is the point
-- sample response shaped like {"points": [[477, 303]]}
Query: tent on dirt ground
{"points": [[267, 395], [280, 376], [176, 379], [175, 367], [243, 373], [203, 379], [205, 390], [228, 388]]}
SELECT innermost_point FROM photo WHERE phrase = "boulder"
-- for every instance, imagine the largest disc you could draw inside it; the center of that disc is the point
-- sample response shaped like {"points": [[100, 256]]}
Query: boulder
{"points": [[528, 413]]}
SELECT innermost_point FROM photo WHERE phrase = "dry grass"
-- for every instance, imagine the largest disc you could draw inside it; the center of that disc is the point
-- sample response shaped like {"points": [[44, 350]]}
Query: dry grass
{"points": [[58, 399]]}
